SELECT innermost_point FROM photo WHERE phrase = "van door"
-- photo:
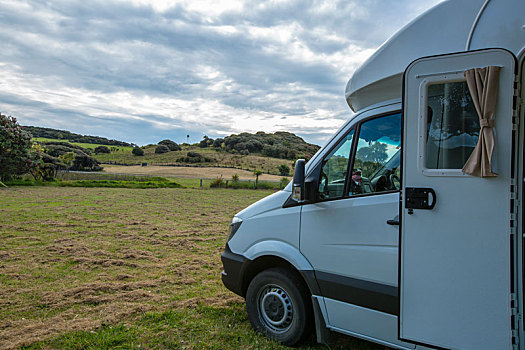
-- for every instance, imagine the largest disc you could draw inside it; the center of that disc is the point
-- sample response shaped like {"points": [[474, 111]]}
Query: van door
{"points": [[350, 234], [456, 229]]}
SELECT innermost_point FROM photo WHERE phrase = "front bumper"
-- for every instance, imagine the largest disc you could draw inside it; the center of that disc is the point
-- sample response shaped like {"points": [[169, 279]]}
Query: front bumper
{"points": [[232, 274]]}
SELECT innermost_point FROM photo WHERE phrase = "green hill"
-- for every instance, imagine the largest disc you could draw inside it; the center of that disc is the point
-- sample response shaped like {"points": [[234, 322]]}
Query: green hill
{"points": [[64, 135], [272, 153]]}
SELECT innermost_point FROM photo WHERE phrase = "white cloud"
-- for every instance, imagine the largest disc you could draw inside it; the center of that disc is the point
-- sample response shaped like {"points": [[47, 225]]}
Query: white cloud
{"points": [[149, 68]]}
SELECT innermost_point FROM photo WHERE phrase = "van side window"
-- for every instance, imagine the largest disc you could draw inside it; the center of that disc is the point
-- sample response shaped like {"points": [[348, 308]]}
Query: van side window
{"points": [[452, 125], [377, 160], [335, 166]]}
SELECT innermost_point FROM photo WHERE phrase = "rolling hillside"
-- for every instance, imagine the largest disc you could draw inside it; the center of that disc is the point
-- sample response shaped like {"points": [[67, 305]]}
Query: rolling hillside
{"points": [[270, 153]]}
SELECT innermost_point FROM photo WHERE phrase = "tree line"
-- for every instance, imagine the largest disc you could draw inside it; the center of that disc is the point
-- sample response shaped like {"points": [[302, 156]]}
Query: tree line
{"points": [[280, 144], [19, 155], [72, 137]]}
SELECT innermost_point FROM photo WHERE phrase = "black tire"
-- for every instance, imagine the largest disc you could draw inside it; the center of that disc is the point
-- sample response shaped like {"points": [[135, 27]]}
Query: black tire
{"points": [[279, 306]]}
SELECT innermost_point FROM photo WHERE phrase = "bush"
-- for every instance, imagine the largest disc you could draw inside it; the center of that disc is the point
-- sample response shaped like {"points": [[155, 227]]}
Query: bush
{"points": [[137, 151], [57, 150], [284, 182], [171, 145], [102, 149], [284, 170], [194, 157], [15, 147], [85, 162], [218, 182], [162, 149]]}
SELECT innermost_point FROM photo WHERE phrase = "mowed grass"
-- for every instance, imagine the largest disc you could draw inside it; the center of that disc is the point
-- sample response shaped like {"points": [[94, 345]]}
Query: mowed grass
{"points": [[107, 268]]}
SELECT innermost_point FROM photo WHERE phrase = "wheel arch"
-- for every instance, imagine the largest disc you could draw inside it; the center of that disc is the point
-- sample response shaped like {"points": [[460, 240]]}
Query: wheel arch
{"points": [[270, 254]]}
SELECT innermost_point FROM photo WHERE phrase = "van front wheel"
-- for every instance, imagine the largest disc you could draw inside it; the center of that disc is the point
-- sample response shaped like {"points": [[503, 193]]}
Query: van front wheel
{"points": [[279, 306]]}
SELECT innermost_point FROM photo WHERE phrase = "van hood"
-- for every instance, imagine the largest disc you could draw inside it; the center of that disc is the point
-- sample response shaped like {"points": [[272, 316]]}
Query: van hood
{"points": [[272, 202]]}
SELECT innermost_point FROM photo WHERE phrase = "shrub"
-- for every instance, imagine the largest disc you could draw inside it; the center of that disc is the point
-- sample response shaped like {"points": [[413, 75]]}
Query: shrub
{"points": [[162, 149], [102, 149], [206, 142], [217, 143], [235, 177], [85, 162], [194, 157], [284, 181], [218, 182], [171, 145], [284, 170], [56, 150], [137, 151], [15, 146]]}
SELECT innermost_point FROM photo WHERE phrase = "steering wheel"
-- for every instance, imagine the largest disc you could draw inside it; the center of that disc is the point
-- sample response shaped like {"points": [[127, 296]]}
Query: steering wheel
{"points": [[394, 180]]}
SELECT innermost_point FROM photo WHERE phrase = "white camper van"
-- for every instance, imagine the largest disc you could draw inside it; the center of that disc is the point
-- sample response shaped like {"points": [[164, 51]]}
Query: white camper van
{"points": [[406, 228]]}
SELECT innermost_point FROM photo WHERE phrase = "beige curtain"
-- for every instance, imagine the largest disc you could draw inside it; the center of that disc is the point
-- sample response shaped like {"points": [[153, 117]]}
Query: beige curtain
{"points": [[483, 86]]}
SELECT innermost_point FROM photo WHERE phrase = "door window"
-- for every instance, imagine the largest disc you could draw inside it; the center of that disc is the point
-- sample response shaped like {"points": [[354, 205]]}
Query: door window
{"points": [[335, 167], [453, 127], [377, 159]]}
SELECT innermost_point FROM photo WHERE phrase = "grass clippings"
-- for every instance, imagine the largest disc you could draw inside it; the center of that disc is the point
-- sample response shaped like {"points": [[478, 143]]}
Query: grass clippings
{"points": [[102, 268]]}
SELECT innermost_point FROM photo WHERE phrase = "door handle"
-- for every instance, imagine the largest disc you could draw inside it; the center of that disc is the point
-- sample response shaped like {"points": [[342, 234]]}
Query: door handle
{"points": [[393, 222], [419, 198]]}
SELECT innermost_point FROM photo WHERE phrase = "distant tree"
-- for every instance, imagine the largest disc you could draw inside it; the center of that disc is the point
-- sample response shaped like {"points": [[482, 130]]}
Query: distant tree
{"points": [[171, 145], [102, 149], [47, 170], [375, 153], [15, 149], [257, 173], [85, 162], [137, 151], [284, 170], [206, 142], [68, 159], [162, 149], [217, 143]]}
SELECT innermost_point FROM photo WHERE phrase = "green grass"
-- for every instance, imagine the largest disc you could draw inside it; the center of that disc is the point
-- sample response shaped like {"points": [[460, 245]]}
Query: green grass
{"points": [[100, 179], [92, 146], [159, 183], [112, 268]]}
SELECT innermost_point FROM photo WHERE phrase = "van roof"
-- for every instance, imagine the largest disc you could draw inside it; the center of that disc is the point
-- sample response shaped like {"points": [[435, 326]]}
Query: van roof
{"points": [[451, 26]]}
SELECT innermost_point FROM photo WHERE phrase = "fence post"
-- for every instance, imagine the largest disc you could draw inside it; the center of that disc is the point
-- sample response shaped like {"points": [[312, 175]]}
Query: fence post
{"points": [[254, 185], [227, 183], [201, 183]]}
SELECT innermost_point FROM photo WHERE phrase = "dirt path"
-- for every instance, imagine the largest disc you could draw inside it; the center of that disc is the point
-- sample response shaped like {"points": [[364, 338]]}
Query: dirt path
{"points": [[190, 172]]}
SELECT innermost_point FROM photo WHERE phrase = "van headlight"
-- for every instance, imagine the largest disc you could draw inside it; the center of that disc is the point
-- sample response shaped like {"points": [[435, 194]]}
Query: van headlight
{"points": [[234, 226]]}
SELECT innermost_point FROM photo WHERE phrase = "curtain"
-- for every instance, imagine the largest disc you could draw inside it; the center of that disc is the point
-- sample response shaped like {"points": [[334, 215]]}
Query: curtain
{"points": [[483, 86]]}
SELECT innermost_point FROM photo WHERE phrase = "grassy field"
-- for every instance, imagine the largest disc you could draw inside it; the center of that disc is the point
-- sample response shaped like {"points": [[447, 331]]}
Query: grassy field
{"points": [[92, 146], [188, 172], [266, 164], [98, 268], [123, 155]]}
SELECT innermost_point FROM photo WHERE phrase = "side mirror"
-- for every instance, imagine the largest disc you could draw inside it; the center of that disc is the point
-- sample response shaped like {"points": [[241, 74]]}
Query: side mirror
{"points": [[298, 181]]}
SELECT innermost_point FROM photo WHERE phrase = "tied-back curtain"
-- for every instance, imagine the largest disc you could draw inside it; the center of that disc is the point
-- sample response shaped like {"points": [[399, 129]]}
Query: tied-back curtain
{"points": [[483, 86]]}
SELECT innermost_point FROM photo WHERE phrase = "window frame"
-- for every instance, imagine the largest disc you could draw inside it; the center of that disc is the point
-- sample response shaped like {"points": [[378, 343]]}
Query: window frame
{"points": [[350, 161], [354, 150], [455, 77], [357, 130]]}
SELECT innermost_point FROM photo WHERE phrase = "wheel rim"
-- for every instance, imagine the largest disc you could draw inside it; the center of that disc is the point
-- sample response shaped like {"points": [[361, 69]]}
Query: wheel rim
{"points": [[275, 307]]}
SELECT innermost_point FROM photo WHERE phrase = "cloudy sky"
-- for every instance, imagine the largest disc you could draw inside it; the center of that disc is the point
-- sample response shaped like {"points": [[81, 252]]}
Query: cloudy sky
{"points": [[144, 70]]}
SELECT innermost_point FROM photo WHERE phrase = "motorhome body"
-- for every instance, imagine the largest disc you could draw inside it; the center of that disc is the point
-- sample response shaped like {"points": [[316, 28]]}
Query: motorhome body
{"points": [[385, 236]]}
